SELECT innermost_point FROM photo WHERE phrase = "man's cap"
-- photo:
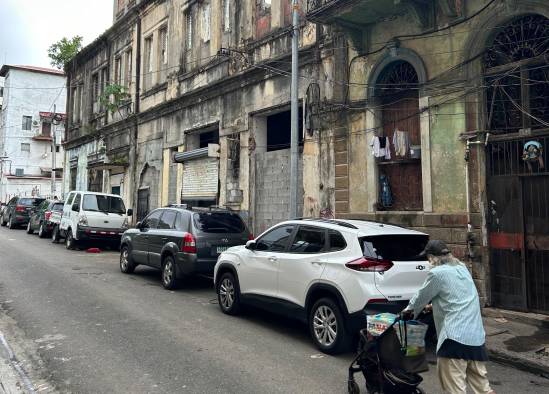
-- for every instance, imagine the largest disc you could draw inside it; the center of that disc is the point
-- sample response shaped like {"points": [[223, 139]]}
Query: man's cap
{"points": [[435, 247]]}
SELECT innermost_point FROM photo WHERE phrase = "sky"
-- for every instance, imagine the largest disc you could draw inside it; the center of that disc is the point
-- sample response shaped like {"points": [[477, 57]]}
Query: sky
{"points": [[29, 27]]}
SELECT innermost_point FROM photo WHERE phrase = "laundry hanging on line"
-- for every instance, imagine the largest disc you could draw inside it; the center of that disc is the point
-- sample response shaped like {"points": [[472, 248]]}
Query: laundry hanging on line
{"points": [[381, 147], [401, 142]]}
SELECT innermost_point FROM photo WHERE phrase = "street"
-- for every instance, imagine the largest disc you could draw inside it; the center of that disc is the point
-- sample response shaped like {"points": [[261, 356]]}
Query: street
{"points": [[77, 324]]}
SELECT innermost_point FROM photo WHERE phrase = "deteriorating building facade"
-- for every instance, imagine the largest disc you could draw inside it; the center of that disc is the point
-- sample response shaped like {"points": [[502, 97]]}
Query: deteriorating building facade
{"points": [[414, 112]]}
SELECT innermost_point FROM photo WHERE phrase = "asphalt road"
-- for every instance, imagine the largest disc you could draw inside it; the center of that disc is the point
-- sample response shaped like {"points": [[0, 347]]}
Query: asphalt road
{"points": [[79, 325]]}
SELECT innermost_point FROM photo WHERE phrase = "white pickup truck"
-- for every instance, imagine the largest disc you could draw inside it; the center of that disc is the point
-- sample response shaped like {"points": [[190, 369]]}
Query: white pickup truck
{"points": [[89, 216]]}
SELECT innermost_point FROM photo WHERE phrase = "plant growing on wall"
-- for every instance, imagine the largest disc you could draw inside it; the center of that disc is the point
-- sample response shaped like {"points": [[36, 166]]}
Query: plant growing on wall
{"points": [[61, 52], [114, 97]]}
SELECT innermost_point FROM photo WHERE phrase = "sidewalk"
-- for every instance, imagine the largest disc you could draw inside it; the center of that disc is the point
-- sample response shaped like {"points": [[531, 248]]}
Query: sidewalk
{"points": [[518, 339]]}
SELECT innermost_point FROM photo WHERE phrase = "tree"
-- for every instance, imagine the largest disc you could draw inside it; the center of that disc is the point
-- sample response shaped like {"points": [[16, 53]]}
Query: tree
{"points": [[64, 50], [114, 97]]}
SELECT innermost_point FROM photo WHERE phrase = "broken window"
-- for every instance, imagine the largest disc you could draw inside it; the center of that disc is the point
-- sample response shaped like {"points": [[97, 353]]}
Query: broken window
{"points": [[162, 53], [279, 130], [517, 96], [210, 137], [189, 29], [27, 122]]}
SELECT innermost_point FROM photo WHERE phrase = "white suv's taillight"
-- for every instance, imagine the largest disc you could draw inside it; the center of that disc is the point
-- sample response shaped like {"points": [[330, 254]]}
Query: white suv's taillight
{"points": [[367, 264]]}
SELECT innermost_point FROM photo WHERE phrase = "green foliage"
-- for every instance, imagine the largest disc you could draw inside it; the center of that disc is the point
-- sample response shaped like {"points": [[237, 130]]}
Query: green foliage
{"points": [[61, 52], [114, 96]]}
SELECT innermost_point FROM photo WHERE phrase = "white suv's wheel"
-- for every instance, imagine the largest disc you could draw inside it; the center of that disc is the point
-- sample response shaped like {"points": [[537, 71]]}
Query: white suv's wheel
{"points": [[228, 294], [327, 327], [70, 242]]}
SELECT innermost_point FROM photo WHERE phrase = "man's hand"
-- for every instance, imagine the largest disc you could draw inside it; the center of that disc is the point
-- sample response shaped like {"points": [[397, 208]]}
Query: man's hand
{"points": [[407, 314], [428, 308]]}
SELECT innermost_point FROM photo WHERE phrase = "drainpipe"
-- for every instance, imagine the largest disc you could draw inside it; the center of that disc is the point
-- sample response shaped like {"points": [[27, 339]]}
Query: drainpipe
{"points": [[470, 236], [133, 158]]}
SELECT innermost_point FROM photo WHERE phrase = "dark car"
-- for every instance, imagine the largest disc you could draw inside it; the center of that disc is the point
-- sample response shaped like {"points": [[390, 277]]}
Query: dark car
{"points": [[181, 241], [18, 211], [40, 218]]}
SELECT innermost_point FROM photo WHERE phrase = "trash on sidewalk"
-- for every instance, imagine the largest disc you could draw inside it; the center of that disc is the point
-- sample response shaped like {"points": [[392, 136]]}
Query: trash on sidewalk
{"points": [[544, 351], [500, 320]]}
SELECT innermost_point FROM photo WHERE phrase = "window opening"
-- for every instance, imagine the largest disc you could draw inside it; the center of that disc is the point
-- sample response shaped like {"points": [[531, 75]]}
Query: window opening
{"points": [[518, 83], [279, 130], [27, 122]]}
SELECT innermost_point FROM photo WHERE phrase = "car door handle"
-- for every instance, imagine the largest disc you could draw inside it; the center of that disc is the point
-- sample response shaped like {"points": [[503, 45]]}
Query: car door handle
{"points": [[273, 259], [318, 262], [164, 238]]}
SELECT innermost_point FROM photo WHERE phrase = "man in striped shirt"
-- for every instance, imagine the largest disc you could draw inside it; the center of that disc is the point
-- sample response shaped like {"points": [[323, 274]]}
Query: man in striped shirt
{"points": [[461, 353]]}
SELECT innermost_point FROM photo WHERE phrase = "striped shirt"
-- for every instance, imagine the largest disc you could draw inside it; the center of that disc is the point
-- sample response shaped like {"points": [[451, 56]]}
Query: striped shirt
{"points": [[456, 307]]}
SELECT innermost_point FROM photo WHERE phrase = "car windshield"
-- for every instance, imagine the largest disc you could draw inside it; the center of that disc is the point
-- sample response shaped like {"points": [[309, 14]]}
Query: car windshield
{"points": [[30, 201], [394, 247], [219, 222], [57, 207], [99, 203]]}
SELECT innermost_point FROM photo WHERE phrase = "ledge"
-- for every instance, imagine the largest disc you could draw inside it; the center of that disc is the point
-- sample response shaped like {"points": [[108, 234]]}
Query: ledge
{"points": [[155, 89]]}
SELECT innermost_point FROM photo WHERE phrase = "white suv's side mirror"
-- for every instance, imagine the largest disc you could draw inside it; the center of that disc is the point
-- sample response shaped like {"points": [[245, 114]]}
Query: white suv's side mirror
{"points": [[251, 245]]}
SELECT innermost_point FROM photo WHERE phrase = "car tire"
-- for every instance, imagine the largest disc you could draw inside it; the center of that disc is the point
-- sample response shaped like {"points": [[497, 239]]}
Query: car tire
{"points": [[70, 242], [42, 233], [127, 266], [11, 224], [228, 294], [55, 235], [29, 228], [3, 222], [327, 327], [169, 274]]}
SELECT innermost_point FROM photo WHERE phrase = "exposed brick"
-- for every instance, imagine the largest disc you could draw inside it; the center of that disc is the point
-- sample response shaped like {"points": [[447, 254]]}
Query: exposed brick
{"points": [[341, 145], [341, 206], [342, 195], [341, 158], [341, 170], [342, 183], [476, 220], [459, 251], [404, 219]]}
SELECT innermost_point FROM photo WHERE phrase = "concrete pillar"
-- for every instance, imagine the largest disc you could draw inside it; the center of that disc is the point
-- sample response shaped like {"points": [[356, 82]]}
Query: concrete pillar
{"points": [[164, 187], [425, 130], [373, 117]]}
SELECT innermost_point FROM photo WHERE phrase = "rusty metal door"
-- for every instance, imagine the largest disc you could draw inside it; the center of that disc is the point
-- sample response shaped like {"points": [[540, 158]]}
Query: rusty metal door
{"points": [[518, 224]]}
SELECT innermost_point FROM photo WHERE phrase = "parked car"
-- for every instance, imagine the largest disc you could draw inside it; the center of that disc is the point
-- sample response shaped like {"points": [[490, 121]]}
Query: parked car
{"points": [[40, 218], [327, 273], [181, 241], [89, 216], [17, 211]]}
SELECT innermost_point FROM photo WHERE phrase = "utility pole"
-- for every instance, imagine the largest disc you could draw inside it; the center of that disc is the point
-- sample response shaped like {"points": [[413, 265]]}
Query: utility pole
{"points": [[294, 112], [53, 146]]}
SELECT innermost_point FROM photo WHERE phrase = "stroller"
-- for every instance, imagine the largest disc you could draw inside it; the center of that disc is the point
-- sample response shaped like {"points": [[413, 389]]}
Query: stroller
{"points": [[384, 363]]}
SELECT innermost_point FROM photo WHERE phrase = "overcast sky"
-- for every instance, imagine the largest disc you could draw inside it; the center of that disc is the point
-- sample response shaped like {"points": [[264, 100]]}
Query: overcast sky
{"points": [[29, 27]]}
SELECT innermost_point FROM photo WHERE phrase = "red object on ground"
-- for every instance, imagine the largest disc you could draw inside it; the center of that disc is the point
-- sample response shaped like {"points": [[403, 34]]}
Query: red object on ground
{"points": [[93, 250]]}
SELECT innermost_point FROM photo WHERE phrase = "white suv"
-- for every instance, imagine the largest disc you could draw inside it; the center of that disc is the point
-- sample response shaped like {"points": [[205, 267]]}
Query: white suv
{"points": [[327, 273]]}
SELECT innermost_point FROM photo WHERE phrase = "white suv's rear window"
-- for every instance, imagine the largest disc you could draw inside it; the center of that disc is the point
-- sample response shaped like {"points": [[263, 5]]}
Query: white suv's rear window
{"points": [[396, 247]]}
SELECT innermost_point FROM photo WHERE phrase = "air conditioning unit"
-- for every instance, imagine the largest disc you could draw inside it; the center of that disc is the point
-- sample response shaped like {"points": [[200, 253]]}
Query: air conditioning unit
{"points": [[35, 123]]}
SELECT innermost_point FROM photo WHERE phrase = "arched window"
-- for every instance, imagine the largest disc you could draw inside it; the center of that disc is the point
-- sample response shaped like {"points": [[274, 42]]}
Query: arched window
{"points": [[398, 96], [517, 75]]}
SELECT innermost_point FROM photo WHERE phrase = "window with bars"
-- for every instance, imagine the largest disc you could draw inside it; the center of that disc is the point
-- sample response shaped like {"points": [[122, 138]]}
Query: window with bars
{"points": [[103, 85], [25, 147], [27, 122], [517, 96], [162, 53]]}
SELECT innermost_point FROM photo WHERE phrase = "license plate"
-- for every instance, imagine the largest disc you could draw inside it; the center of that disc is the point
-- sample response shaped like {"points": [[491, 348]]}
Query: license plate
{"points": [[221, 249]]}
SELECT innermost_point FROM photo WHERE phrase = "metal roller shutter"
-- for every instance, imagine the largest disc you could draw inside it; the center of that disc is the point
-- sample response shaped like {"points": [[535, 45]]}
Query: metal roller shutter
{"points": [[200, 179]]}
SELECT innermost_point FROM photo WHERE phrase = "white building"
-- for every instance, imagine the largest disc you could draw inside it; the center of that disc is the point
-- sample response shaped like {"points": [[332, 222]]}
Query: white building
{"points": [[1, 91], [30, 95]]}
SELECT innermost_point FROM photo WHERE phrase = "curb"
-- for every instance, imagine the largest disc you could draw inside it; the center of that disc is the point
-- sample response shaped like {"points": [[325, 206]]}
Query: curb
{"points": [[524, 364]]}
